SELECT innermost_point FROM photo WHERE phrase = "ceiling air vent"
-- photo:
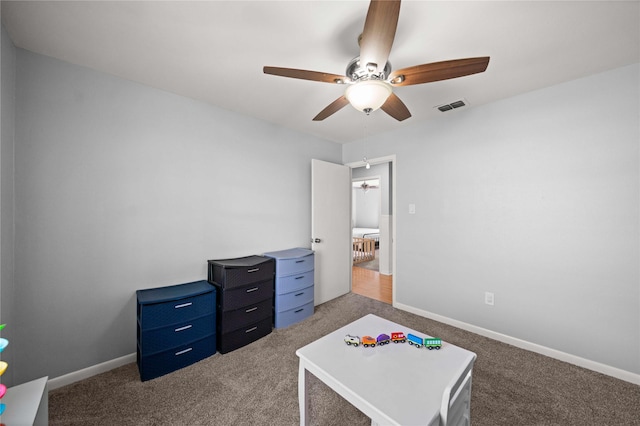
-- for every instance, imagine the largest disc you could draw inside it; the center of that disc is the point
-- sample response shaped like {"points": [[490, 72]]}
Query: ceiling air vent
{"points": [[452, 105]]}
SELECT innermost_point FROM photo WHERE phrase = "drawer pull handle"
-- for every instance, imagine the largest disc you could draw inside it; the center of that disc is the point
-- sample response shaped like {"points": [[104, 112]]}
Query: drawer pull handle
{"points": [[299, 310], [184, 351], [252, 289], [255, 308], [299, 294], [186, 327], [184, 305], [251, 329], [253, 270], [300, 277], [299, 261]]}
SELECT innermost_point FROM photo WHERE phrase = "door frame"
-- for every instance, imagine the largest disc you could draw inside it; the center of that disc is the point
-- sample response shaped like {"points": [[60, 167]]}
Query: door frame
{"points": [[380, 160]]}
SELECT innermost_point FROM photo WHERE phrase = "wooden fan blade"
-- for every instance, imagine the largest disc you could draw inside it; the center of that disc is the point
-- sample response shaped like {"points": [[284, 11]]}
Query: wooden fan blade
{"points": [[332, 108], [437, 71], [379, 32], [307, 75], [396, 108]]}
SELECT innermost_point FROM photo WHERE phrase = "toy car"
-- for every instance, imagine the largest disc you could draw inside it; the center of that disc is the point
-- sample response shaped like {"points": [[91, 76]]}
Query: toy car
{"points": [[414, 340], [383, 339], [398, 337], [352, 340], [433, 343], [368, 341]]}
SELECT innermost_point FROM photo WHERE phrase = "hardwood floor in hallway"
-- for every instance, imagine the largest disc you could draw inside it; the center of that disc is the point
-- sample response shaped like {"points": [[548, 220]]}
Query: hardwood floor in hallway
{"points": [[373, 284]]}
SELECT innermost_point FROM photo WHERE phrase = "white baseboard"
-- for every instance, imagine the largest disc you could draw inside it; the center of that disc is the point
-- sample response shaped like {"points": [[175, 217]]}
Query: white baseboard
{"points": [[85, 373], [627, 376]]}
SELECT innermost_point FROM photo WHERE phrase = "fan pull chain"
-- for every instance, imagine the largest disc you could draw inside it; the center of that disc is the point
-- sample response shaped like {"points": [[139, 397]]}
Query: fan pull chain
{"points": [[364, 141]]}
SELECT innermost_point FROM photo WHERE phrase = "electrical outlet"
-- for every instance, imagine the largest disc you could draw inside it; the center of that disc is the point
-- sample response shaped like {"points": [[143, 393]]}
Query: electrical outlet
{"points": [[412, 209], [488, 298]]}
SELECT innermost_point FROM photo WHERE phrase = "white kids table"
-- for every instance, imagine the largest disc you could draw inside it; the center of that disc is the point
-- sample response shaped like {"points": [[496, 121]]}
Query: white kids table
{"points": [[396, 383]]}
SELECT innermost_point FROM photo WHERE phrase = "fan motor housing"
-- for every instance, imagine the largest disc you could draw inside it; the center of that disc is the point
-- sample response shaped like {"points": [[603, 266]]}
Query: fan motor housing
{"points": [[357, 71]]}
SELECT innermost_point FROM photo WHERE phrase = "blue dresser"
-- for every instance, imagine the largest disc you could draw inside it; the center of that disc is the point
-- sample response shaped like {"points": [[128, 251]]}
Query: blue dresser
{"points": [[293, 293], [176, 327]]}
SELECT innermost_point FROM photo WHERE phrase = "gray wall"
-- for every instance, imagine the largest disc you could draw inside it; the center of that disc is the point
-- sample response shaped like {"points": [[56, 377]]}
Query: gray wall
{"points": [[7, 109], [121, 187], [536, 199], [365, 208]]}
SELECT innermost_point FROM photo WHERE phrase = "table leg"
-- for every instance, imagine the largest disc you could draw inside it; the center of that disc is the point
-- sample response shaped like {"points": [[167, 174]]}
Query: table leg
{"points": [[303, 395]]}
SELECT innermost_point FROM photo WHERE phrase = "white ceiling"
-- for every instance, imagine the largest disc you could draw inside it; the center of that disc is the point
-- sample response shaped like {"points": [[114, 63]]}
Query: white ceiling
{"points": [[215, 50]]}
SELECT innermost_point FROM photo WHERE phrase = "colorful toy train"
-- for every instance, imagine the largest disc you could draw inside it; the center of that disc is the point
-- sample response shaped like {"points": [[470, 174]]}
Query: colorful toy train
{"points": [[396, 337]]}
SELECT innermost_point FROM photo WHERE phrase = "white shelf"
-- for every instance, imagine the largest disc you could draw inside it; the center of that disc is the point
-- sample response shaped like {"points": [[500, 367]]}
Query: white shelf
{"points": [[27, 404]]}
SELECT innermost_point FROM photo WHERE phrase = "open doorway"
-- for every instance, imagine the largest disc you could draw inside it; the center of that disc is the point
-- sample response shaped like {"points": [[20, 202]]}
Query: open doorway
{"points": [[372, 226], [365, 221]]}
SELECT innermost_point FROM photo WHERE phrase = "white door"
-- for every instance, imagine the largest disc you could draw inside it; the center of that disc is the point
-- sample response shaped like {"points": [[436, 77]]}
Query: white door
{"points": [[331, 229]]}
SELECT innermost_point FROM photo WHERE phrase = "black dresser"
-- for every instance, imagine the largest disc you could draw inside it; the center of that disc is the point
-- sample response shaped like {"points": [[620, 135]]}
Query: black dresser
{"points": [[176, 327], [245, 297]]}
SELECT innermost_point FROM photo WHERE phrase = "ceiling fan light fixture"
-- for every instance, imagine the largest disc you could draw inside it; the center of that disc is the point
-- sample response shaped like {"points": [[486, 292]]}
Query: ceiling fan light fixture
{"points": [[368, 94]]}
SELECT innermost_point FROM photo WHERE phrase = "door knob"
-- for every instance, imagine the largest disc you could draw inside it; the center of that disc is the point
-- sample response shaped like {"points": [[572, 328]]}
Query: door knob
{"points": [[315, 240]]}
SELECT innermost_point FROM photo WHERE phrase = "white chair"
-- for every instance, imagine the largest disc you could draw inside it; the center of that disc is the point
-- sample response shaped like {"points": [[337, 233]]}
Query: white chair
{"points": [[456, 400]]}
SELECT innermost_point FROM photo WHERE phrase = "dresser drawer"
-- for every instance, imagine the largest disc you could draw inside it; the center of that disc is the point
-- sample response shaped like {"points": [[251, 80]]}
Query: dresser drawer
{"points": [[173, 292], [294, 266], [292, 316], [294, 282], [159, 339], [233, 320], [238, 272], [155, 315], [161, 363], [251, 294], [284, 302], [236, 339]]}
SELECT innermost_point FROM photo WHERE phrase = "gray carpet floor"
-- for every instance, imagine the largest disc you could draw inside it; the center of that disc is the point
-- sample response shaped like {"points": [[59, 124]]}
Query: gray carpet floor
{"points": [[257, 384]]}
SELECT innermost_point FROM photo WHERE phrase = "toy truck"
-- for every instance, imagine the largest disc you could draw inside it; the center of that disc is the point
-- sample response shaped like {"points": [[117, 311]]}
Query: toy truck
{"points": [[398, 337]]}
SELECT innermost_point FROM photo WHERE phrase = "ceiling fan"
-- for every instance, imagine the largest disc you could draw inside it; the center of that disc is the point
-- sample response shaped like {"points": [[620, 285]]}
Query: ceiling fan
{"points": [[369, 77], [366, 187]]}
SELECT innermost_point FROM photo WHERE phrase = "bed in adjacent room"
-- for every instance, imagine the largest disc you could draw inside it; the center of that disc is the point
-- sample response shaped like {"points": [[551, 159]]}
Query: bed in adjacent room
{"points": [[369, 233]]}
